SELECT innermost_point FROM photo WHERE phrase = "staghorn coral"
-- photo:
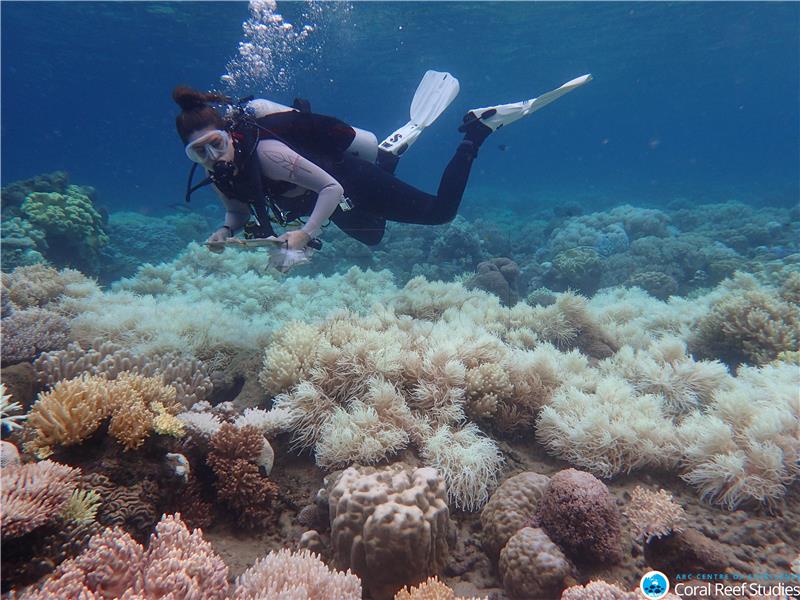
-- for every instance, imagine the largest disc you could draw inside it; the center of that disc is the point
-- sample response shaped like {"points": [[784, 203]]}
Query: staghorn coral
{"points": [[511, 507], [234, 458], [27, 333], [177, 564], [389, 525], [301, 575], [34, 494], [654, 514], [531, 566], [74, 409], [578, 513]]}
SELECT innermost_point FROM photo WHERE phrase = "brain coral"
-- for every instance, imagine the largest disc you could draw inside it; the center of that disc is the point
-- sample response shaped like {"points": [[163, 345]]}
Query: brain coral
{"points": [[510, 508], [580, 515], [390, 525], [532, 566]]}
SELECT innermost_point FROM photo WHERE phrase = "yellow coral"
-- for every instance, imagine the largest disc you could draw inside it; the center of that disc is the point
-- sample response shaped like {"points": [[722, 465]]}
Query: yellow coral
{"points": [[166, 423], [432, 589], [82, 506], [70, 412]]}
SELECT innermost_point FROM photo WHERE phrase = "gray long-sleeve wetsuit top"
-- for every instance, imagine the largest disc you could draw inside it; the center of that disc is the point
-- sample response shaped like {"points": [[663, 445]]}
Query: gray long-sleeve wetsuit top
{"points": [[281, 163]]}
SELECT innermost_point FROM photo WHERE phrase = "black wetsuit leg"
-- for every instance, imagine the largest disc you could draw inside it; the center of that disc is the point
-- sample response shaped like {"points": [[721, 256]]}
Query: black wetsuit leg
{"points": [[373, 190]]}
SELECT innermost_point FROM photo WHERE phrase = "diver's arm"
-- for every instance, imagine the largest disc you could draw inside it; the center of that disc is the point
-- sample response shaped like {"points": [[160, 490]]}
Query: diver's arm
{"points": [[281, 163], [237, 213]]}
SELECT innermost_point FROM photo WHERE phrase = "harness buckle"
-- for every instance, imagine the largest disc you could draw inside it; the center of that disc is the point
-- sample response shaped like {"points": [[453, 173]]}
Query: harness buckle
{"points": [[346, 204]]}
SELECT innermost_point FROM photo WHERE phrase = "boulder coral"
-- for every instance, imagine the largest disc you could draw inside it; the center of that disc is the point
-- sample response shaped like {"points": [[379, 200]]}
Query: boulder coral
{"points": [[531, 566], [512, 506], [390, 525]]}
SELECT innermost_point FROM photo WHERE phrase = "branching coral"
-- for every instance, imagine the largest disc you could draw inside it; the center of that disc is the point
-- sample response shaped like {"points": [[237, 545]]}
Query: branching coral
{"points": [[187, 375], [74, 409], [27, 333], [234, 458], [34, 494], [287, 574], [654, 514], [431, 589], [177, 564], [8, 419]]}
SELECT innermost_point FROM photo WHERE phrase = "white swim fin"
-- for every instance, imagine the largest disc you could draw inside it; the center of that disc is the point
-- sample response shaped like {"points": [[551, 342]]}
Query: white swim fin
{"points": [[495, 117], [434, 94]]}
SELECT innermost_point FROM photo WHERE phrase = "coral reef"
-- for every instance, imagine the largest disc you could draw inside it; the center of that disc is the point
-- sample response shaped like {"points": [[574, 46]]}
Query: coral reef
{"points": [[176, 564], [389, 525], [578, 513], [431, 589]]}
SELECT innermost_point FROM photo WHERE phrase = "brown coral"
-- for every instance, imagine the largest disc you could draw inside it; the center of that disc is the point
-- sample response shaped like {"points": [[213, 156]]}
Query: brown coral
{"points": [[239, 483], [126, 507], [511, 507], [579, 514], [532, 566], [34, 494]]}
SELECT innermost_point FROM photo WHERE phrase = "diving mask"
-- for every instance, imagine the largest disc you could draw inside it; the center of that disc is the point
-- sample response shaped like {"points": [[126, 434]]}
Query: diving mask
{"points": [[209, 147]]}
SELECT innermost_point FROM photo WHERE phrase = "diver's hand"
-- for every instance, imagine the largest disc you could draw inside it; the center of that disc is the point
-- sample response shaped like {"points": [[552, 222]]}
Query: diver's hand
{"points": [[295, 240], [216, 242]]}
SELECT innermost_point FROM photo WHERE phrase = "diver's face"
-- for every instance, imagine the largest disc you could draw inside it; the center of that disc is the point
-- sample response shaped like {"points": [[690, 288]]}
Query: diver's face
{"points": [[208, 146]]}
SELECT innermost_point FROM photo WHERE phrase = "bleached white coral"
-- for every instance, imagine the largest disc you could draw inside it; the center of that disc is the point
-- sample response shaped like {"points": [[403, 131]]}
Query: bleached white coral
{"points": [[745, 447], [469, 462], [270, 423], [609, 431], [357, 435], [203, 423], [7, 409]]}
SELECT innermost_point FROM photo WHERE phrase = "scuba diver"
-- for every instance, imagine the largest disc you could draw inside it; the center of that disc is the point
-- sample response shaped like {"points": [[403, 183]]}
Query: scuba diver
{"points": [[274, 163]]}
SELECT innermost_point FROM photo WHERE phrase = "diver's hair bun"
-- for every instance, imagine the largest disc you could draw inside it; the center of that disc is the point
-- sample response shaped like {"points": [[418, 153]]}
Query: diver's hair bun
{"points": [[189, 99]]}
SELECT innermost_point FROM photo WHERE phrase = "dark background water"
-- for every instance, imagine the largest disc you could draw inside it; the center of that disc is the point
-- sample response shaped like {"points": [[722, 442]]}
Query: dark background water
{"points": [[690, 100]]}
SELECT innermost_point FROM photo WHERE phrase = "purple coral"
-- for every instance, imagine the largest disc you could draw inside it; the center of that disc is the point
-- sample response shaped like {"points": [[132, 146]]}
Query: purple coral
{"points": [[580, 515], [27, 333]]}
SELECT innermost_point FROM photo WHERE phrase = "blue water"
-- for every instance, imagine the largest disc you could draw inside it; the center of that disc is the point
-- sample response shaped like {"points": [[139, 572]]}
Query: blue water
{"points": [[691, 100]]}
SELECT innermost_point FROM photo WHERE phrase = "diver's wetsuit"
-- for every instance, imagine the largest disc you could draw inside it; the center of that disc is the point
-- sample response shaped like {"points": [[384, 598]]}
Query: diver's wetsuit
{"points": [[376, 195]]}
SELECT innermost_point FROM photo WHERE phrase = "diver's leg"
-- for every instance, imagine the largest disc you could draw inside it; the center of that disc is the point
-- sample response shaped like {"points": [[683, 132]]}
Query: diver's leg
{"points": [[374, 190]]}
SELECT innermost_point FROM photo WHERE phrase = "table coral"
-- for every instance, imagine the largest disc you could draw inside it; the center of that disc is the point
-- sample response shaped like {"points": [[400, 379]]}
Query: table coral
{"points": [[389, 525]]}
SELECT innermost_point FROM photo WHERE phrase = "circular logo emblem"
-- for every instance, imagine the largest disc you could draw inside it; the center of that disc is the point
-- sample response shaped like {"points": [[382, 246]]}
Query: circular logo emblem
{"points": [[654, 584]]}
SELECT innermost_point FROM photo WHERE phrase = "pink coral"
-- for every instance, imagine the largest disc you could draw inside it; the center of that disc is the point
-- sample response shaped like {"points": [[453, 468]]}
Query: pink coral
{"points": [[33, 495], [177, 565], [26, 333]]}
